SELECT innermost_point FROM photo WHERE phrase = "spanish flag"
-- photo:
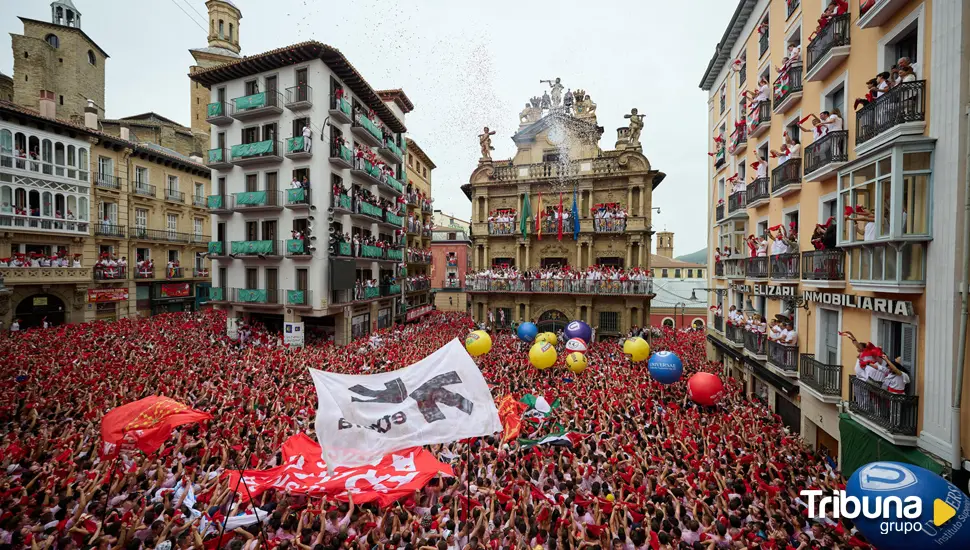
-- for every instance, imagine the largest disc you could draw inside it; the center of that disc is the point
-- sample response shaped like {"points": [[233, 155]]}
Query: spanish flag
{"points": [[539, 216]]}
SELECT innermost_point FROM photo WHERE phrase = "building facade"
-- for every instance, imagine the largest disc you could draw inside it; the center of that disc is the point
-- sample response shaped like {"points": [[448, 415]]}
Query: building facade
{"points": [[894, 161], [558, 158], [680, 298], [321, 255], [418, 226], [443, 220], [222, 47], [450, 261]]}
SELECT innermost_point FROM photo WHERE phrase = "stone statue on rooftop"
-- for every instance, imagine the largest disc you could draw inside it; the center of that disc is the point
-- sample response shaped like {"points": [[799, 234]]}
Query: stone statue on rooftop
{"points": [[557, 89], [485, 141], [545, 100], [636, 125], [531, 113]]}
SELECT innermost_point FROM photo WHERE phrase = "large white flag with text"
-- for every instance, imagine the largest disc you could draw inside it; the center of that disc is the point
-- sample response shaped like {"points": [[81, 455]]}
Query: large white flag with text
{"points": [[440, 399]]}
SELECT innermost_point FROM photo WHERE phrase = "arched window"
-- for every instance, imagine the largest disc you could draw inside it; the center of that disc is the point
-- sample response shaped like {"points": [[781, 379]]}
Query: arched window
{"points": [[71, 161], [59, 158], [668, 322], [6, 142], [220, 29], [53, 40], [82, 163], [698, 323], [47, 155], [71, 207], [677, 274], [60, 16], [91, 58], [48, 205], [6, 199]]}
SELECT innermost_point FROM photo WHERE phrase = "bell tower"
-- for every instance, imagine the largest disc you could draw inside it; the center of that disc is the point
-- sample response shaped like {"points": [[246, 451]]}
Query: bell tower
{"points": [[665, 244], [223, 47]]}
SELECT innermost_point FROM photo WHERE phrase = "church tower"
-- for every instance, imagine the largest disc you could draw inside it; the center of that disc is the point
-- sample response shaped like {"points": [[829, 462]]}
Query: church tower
{"points": [[665, 244], [223, 48]]}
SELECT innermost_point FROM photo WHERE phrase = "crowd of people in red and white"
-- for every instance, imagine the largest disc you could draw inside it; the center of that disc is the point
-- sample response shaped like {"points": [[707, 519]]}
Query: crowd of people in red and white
{"points": [[413, 196], [653, 470], [37, 259], [595, 278], [418, 255]]}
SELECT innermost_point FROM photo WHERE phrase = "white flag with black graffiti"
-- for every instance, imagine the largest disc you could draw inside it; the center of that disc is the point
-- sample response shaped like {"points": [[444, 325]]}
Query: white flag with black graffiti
{"points": [[440, 399]]}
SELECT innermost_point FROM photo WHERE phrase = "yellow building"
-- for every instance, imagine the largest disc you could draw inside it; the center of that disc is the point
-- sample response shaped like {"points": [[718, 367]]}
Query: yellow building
{"points": [[558, 155], [897, 162], [419, 168]]}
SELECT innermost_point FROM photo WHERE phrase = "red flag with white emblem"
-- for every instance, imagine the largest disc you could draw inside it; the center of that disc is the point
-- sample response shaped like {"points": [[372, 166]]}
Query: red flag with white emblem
{"points": [[145, 424]]}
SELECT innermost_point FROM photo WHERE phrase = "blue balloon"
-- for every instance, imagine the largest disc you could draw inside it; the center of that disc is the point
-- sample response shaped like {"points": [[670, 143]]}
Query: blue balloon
{"points": [[527, 331], [579, 329], [938, 500], [665, 367]]}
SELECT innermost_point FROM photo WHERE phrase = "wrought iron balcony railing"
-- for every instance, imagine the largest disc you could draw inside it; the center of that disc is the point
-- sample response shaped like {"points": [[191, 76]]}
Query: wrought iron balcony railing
{"points": [[903, 103], [783, 356], [560, 286], [895, 413], [825, 379], [757, 267], [831, 148], [834, 34], [823, 265], [785, 267]]}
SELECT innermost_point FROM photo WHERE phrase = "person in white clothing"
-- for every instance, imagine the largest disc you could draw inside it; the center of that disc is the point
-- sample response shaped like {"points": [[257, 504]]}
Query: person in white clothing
{"points": [[15, 325], [897, 379], [307, 138]]}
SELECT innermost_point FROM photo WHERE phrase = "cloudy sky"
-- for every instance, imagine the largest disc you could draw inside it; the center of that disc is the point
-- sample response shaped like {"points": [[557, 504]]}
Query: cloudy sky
{"points": [[464, 64]]}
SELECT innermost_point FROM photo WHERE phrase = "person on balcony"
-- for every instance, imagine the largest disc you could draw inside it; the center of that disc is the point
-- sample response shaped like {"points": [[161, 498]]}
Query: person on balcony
{"points": [[882, 84], [307, 137], [861, 215], [295, 184], [779, 242], [897, 379], [760, 167]]}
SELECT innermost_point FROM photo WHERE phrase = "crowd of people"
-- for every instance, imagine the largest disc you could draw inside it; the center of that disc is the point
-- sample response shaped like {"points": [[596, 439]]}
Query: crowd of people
{"points": [[37, 259], [413, 196], [593, 279], [652, 471]]}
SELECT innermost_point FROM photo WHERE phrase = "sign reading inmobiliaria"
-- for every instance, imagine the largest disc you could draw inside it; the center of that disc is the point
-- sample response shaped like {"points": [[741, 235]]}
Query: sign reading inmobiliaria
{"points": [[440, 399]]}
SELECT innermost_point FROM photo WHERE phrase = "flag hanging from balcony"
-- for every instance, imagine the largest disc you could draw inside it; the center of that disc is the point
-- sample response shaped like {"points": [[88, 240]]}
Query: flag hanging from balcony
{"points": [[526, 213], [559, 220], [575, 216], [539, 217]]}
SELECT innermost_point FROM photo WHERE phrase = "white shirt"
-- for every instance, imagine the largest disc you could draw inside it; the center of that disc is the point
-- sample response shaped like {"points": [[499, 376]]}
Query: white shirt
{"points": [[833, 123], [860, 372], [15, 327], [870, 232], [778, 247], [877, 372], [896, 382]]}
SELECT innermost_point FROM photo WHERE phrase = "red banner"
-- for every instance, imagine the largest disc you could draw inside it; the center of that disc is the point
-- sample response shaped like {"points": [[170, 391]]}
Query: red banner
{"points": [[176, 290], [97, 295], [417, 312], [396, 476]]}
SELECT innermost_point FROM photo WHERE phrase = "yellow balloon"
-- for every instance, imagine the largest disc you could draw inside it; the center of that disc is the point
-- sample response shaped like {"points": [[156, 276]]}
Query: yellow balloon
{"points": [[478, 343], [547, 337], [610, 497], [637, 349], [542, 355], [576, 362]]}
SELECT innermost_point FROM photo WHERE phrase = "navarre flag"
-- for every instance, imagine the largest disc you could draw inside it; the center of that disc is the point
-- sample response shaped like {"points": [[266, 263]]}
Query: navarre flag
{"points": [[145, 424], [561, 438], [440, 399], [539, 408], [510, 412]]}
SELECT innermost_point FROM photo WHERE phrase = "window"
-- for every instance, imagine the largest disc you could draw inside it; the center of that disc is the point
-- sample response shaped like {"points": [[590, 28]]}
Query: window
{"points": [[663, 273], [835, 100], [173, 256], [668, 322], [720, 189], [199, 190], [197, 227], [252, 231], [142, 254], [173, 184], [829, 208], [250, 135], [91, 58], [252, 277], [53, 41], [252, 87], [790, 218], [898, 340], [676, 274], [230, 32], [690, 273], [298, 124], [424, 171], [828, 342], [252, 182], [141, 176], [907, 46], [172, 222], [223, 281], [141, 218], [269, 230], [221, 29], [609, 321], [722, 93]]}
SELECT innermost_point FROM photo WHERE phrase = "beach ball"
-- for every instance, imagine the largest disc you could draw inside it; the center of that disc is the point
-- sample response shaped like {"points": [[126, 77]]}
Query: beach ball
{"points": [[547, 337], [478, 343], [637, 349], [610, 497], [705, 389], [527, 331], [665, 367], [576, 362], [542, 355], [576, 344], [579, 329], [942, 508]]}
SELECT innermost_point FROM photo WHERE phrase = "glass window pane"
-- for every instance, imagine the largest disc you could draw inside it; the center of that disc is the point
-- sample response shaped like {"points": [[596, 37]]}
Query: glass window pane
{"points": [[864, 174], [884, 209], [915, 215], [845, 226], [916, 161], [886, 166], [892, 264], [913, 262], [865, 263], [844, 182], [878, 255]]}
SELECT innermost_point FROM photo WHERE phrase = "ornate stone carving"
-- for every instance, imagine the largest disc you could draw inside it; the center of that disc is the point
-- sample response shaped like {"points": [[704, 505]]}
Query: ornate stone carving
{"points": [[80, 297], [557, 88], [485, 141], [636, 125]]}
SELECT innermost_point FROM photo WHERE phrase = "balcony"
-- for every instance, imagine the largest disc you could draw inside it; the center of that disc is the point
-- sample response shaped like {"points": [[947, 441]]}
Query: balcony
{"points": [[44, 224], [366, 171], [892, 415], [787, 94], [824, 157], [144, 273], [560, 286], [785, 267], [259, 297], [783, 359], [734, 267], [218, 159], [219, 204], [142, 189], [792, 8], [761, 121], [299, 148], [500, 229], [879, 12], [342, 249], [719, 323], [719, 213], [786, 178], [268, 250], [824, 381], [218, 294], [159, 235], [368, 252], [754, 345], [299, 299], [107, 181], [341, 156], [824, 268], [394, 254], [174, 195], [109, 230], [453, 284], [391, 151], [343, 202], [602, 225], [419, 258], [393, 184], [829, 47], [258, 201], [366, 131], [219, 113], [198, 238], [371, 211], [417, 286], [739, 140], [174, 273], [900, 111], [44, 275], [199, 201], [299, 97], [390, 290], [763, 43], [340, 110], [298, 249], [734, 335], [260, 152], [757, 268], [219, 250], [298, 199], [757, 193], [719, 270], [263, 104], [393, 219], [738, 205]]}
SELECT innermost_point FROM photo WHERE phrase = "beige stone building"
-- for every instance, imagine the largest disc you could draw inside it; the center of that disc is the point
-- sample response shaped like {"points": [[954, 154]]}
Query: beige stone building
{"points": [[419, 167], [558, 155]]}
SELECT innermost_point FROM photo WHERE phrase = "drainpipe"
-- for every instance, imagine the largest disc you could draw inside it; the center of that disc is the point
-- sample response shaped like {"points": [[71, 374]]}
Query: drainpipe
{"points": [[955, 459]]}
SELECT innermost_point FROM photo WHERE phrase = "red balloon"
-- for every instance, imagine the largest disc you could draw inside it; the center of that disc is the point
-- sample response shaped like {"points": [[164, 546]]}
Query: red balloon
{"points": [[705, 389]]}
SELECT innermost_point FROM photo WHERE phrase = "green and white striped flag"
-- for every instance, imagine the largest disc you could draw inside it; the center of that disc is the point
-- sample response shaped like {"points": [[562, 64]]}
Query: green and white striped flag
{"points": [[539, 408]]}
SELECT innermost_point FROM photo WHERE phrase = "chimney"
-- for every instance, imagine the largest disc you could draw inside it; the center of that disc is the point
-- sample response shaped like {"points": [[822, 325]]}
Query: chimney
{"points": [[91, 116], [124, 133], [47, 105], [622, 138]]}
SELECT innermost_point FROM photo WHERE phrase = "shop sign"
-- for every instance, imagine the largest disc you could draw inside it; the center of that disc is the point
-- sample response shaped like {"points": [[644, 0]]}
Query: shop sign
{"points": [[176, 290], [413, 314], [878, 305], [101, 295], [293, 334]]}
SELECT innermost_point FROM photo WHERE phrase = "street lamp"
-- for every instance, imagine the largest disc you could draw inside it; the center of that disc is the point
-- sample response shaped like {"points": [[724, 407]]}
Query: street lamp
{"points": [[682, 305]]}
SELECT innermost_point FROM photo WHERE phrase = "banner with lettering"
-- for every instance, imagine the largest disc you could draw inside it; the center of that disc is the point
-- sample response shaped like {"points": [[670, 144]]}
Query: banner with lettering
{"points": [[416, 312], [440, 399], [175, 290], [101, 295], [390, 478]]}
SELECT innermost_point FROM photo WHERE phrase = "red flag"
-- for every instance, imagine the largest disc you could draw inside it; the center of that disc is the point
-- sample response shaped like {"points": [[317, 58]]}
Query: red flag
{"points": [[539, 217], [559, 224], [146, 424], [510, 412]]}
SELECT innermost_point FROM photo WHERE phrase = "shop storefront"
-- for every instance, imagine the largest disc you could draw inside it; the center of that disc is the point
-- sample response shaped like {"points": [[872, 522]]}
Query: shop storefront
{"points": [[384, 317], [172, 297], [360, 325]]}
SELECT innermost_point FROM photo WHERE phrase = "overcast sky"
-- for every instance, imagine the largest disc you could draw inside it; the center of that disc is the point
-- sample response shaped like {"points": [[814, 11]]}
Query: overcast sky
{"points": [[464, 64]]}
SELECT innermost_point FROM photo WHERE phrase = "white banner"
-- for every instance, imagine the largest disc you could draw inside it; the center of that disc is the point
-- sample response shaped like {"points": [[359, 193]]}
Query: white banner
{"points": [[293, 334], [440, 399], [232, 328]]}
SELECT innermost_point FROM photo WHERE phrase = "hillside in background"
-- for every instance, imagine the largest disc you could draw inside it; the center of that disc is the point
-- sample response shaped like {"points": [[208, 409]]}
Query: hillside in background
{"points": [[699, 257]]}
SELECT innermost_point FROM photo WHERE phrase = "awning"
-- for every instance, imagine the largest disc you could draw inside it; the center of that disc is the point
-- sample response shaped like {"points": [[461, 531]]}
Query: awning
{"points": [[860, 446]]}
